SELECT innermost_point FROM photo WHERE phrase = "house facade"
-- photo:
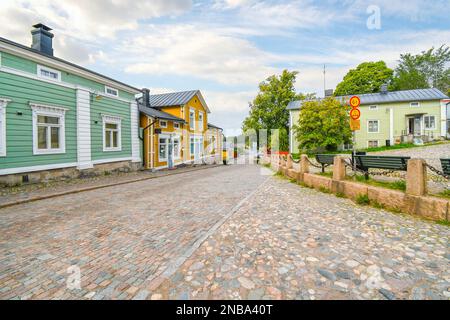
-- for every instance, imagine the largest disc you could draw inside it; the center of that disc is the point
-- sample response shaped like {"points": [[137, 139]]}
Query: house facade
{"points": [[58, 119], [389, 118], [175, 129]]}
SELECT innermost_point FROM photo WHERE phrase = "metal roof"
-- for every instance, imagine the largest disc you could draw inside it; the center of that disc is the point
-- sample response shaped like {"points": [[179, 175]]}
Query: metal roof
{"points": [[213, 126], [175, 99], [393, 96], [18, 45], [158, 114]]}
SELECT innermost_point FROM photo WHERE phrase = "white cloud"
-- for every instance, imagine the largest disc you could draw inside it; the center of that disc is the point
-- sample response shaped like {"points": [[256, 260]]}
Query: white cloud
{"points": [[199, 53]]}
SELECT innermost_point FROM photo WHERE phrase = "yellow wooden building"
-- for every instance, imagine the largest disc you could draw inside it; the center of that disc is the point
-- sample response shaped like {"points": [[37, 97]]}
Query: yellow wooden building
{"points": [[175, 130]]}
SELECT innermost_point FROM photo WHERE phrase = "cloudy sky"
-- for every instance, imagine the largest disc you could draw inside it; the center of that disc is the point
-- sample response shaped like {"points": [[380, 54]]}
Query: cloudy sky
{"points": [[226, 47]]}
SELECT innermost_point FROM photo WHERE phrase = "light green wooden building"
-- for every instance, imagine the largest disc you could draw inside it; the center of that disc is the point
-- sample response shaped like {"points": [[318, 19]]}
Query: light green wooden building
{"points": [[57, 118], [389, 118]]}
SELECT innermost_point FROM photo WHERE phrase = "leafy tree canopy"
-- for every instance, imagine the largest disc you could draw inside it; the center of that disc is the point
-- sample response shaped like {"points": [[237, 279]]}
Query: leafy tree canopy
{"points": [[427, 69], [323, 124], [368, 77], [268, 109]]}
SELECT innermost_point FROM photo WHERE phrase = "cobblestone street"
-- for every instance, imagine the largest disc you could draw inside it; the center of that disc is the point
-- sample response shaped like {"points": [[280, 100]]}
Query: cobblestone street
{"points": [[277, 241]]}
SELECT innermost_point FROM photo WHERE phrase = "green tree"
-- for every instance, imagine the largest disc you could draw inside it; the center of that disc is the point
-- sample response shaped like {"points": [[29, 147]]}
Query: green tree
{"points": [[323, 124], [368, 77], [424, 70], [268, 109]]}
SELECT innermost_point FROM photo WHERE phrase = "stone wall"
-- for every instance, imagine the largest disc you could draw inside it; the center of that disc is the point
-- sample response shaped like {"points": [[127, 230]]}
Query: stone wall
{"points": [[68, 173], [414, 201]]}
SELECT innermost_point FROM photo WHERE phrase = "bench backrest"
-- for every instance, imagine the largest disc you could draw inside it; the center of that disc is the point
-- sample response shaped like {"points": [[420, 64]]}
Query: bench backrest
{"points": [[445, 166], [325, 158], [382, 162]]}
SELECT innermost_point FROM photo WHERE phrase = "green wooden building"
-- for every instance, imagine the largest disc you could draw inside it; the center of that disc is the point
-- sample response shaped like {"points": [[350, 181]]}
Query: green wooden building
{"points": [[58, 119], [389, 118]]}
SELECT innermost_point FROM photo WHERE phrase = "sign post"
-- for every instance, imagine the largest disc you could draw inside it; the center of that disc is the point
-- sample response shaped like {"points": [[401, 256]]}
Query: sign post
{"points": [[355, 123]]}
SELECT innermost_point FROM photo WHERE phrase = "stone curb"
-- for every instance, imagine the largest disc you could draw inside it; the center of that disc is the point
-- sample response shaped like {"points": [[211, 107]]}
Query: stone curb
{"points": [[54, 195]]}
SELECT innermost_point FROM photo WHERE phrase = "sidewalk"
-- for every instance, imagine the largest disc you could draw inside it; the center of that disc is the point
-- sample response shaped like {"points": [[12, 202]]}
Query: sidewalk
{"points": [[10, 196]]}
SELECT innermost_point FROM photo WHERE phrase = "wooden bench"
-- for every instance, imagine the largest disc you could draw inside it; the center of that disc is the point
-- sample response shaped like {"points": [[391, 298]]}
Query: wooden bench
{"points": [[325, 160], [381, 162], [446, 166]]}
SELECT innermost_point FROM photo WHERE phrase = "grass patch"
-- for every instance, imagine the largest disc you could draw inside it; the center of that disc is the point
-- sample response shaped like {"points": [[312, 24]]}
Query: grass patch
{"points": [[326, 174], [394, 185], [267, 165], [293, 181], [324, 190], [443, 222], [340, 195], [363, 199], [445, 194]]}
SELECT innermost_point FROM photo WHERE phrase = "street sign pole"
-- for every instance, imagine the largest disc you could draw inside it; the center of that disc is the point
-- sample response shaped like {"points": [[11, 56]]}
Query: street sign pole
{"points": [[355, 124]]}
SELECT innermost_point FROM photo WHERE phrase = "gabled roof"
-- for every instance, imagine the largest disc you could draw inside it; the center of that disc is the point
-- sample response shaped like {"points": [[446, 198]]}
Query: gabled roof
{"points": [[70, 64], [158, 114], [176, 99], [393, 96]]}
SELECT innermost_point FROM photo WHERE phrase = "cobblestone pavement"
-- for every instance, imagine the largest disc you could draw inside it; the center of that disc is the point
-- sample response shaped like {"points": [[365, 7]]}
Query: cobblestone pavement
{"points": [[282, 241], [29, 191], [121, 238], [289, 242]]}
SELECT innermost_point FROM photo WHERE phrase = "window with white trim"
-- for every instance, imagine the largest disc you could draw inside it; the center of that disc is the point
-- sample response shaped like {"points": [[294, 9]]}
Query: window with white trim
{"points": [[176, 125], [372, 144], [48, 129], [162, 124], [176, 147], [163, 149], [3, 103], [200, 121], [48, 73], [192, 146], [430, 122], [192, 119], [373, 107], [373, 126], [112, 133], [414, 104], [111, 91]]}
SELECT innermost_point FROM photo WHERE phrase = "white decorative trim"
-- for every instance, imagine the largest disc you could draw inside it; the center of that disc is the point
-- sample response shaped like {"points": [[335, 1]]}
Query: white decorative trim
{"points": [[373, 108], [201, 127], [411, 104], [51, 111], [191, 123], [429, 116], [378, 127], [40, 68], [160, 124], [61, 84], [37, 168], [62, 66], [3, 104], [112, 89], [114, 120], [84, 129], [135, 145]]}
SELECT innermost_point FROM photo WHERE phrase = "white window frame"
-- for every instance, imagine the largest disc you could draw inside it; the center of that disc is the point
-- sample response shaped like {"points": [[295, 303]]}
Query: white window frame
{"points": [[368, 143], [176, 125], [176, 156], [3, 104], [112, 89], [112, 120], [424, 122], [200, 122], [378, 126], [191, 144], [49, 111], [43, 68], [167, 138], [414, 106], [373, 108], [191, 122], [161, 123]]}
